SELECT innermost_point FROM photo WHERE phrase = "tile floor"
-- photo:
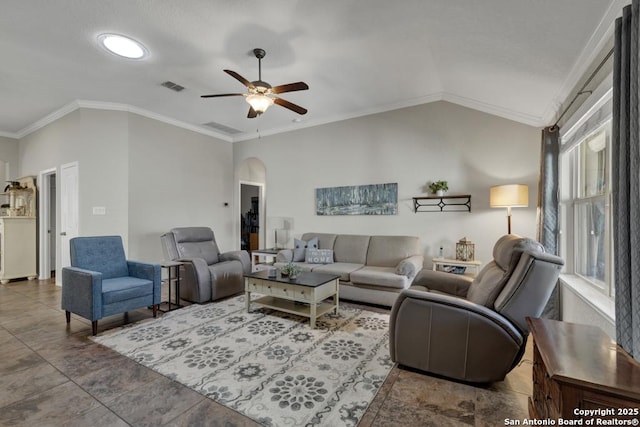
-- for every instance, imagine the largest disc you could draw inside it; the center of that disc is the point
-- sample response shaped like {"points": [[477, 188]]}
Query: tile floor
{"points": [[52, 375]]}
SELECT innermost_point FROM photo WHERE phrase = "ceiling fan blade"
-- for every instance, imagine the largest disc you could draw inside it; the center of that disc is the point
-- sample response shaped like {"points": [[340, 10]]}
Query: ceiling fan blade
{"points": [[291, 87], [222, 94], [290, 105], [239, 78], [252, 113]]}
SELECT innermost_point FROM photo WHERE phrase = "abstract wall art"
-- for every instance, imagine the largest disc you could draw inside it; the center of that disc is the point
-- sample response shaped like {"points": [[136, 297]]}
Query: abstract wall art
{"points": [[374, 199]]}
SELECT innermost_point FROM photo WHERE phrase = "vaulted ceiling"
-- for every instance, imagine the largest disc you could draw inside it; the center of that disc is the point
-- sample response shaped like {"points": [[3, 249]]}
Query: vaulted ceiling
{"points": [[518, 59]]}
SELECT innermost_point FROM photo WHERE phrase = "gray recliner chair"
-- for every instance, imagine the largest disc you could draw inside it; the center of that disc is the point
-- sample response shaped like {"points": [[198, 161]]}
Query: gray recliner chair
{"points": [[474, 330], [206, 274]]}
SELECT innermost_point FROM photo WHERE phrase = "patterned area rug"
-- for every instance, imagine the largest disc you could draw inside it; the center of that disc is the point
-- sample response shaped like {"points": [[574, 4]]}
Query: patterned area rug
{"points": [[270, 366]]}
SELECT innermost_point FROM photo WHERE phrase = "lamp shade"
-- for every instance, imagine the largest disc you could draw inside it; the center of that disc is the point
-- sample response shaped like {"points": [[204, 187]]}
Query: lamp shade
{"points": [[259, 103], [509, 196]]}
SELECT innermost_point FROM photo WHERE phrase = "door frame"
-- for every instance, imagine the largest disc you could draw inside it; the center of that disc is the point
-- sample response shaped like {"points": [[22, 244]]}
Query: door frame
{"points": [[62, 247], [261, 211], [44, 223]]}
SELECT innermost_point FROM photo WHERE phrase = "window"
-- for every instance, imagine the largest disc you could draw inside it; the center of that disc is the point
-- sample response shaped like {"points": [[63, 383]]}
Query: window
{"points": [[585, 196]]}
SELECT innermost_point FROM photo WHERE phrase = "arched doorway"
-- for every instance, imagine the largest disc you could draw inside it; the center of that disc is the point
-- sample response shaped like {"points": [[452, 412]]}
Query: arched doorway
{"points": [[250, 209]]}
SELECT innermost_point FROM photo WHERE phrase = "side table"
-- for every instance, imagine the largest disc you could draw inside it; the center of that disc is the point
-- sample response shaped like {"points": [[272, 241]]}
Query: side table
{"points": [[262, 253], [173, 276], [580, 374], [439, 263]]}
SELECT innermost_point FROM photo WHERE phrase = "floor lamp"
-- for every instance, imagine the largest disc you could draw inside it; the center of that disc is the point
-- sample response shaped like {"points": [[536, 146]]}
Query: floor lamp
{"points": [[509, 196]]}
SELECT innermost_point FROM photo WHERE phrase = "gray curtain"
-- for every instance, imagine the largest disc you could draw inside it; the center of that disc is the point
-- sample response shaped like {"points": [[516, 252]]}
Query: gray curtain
{"points": [[548, 215], [626, 179]]}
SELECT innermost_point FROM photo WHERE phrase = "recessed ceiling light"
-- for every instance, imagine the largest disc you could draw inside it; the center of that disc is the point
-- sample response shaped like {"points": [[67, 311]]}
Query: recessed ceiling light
{"points": [[123, 46]]}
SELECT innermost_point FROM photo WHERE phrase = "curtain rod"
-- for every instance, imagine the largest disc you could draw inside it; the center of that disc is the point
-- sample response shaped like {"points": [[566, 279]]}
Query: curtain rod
{"points": [[581, 91]]}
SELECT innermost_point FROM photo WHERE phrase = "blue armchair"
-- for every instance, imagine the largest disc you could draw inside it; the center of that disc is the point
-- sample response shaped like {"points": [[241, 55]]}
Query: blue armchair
{"points": [[101, 282]]}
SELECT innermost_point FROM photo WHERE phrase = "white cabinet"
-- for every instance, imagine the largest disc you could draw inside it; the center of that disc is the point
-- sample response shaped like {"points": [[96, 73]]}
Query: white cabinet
{"points": [[17, 248], [18, 240]]}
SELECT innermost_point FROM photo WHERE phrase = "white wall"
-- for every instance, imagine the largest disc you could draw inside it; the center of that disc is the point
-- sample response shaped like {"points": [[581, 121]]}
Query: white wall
{"points": [[149, 176], [177, 178], [9, 153], [97, 140], [9, 168], [411, 146], [581, 303]]}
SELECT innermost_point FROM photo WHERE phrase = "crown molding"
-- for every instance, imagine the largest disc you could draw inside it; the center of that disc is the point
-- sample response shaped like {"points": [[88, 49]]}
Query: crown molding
{"points": [[49, 118], [439, 96], [8, 135], [494, 110], [599, 38], [112, 106]]}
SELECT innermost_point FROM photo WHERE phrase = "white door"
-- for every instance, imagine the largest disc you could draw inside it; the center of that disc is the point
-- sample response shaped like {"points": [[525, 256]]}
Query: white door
{"points": [[69, 212]]}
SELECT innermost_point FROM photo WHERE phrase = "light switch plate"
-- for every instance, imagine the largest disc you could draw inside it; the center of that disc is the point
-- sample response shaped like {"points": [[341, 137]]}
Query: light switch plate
{"points": [[99, 210]]}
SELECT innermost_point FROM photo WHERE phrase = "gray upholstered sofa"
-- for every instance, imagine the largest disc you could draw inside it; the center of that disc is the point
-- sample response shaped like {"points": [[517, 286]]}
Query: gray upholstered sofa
{"points": [[372, 269]]}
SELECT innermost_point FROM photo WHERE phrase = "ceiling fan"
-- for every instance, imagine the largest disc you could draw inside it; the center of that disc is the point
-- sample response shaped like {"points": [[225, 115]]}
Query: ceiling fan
{"points": [[261, 94]]}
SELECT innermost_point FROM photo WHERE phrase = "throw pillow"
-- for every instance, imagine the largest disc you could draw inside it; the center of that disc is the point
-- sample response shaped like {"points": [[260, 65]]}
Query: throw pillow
{"points": [[300, 247], [319, 256]]}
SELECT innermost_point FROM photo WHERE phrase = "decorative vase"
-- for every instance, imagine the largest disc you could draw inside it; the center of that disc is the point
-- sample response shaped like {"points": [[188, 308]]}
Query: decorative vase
{"points": [[440, 193]]}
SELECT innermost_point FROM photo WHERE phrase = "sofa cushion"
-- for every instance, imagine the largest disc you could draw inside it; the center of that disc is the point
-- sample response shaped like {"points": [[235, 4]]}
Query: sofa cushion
{"points": [[343, 269], [487, 285], [506, 253], [388, 251], [319, 256], [196, 242], [507, 250], [380, 276], [124, 289], [300, 248], [205, 250], [325, 240], [351, 248], [104, 254]]}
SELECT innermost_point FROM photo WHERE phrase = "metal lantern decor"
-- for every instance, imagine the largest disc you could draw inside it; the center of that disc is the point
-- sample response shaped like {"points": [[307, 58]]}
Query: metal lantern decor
{"points": [[465, 250]]}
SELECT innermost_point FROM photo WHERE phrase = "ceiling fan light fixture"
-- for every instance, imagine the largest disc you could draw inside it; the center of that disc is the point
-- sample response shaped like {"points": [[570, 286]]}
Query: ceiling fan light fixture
{"points": [[259, 103], [123, 46], [261, 94]]}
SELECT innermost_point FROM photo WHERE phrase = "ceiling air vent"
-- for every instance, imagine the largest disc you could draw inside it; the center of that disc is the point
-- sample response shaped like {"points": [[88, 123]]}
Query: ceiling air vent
{"points": [[222, 128], [173, 86]]}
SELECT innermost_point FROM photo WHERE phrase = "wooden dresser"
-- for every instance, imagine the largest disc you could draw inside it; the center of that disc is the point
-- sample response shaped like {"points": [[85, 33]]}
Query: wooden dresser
{"points": [[577, 368]]}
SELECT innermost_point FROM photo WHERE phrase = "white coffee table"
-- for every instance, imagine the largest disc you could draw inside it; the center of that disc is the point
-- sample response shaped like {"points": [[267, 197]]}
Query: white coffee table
{"points": [[310, 294]]}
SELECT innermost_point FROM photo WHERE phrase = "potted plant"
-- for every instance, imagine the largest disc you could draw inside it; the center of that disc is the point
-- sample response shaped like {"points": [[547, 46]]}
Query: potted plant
{"points": [[290, 270], [439, 187]]}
